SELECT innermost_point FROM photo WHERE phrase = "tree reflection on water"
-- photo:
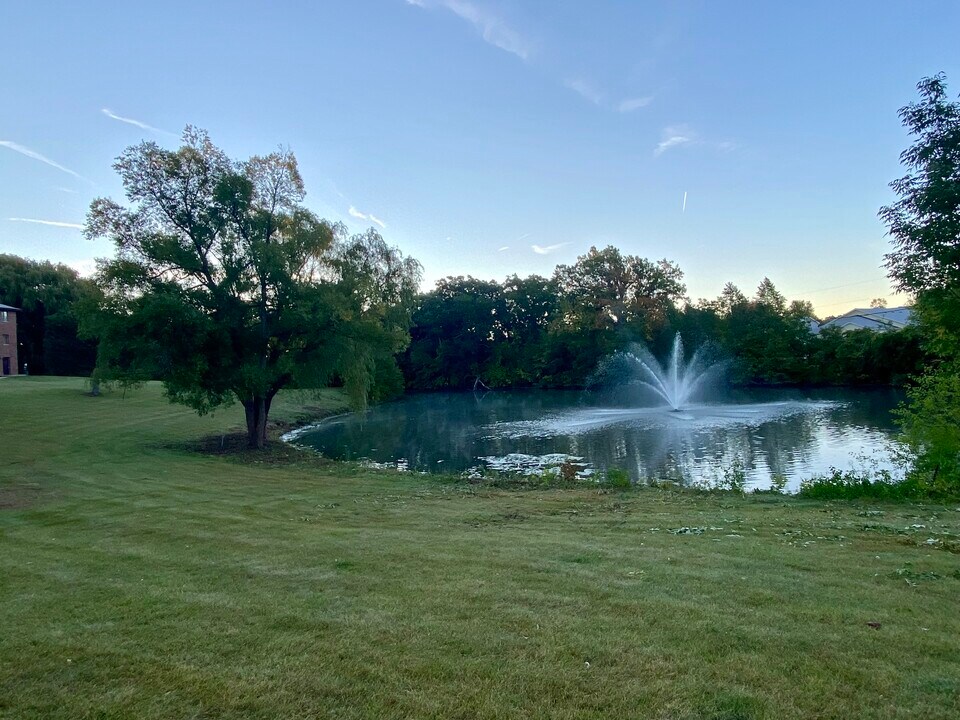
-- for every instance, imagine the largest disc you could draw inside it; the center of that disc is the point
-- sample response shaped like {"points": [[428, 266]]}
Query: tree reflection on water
{"points": [[787, 433]]}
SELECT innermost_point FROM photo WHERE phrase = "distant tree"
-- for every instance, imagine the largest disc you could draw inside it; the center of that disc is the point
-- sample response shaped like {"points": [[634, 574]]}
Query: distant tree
{"points": [[730, 297], [700, 324], [769, 296], [532, 304], [865, 357], [878, 302], [47, 328], [607, 300], [609, 289], [768, 340], [225, 287], [456, 329], [801, 309]]}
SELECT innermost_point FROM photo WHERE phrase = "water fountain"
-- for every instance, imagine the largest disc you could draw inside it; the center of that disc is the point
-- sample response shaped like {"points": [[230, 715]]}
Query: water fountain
{"points": [[676, 384]]}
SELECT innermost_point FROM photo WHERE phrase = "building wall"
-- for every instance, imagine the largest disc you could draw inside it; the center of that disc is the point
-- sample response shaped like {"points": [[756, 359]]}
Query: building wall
{"points": [[9, 349]]}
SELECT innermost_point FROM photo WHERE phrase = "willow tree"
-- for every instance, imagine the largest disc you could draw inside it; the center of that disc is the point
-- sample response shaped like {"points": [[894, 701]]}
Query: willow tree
{"points": [[227, 288]]}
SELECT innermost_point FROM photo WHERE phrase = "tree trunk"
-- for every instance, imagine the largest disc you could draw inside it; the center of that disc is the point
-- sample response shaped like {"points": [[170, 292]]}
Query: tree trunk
{"points": [[257, 409]]}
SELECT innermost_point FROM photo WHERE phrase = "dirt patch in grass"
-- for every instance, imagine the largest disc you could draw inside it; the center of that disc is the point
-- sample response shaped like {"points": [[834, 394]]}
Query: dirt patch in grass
{"points": [[18, 498], [233, 445]]}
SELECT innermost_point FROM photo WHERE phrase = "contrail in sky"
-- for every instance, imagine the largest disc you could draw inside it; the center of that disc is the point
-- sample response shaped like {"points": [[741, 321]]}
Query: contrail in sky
{"points": [[42, 158], [54, 223], [684, 201], [138, 123]]}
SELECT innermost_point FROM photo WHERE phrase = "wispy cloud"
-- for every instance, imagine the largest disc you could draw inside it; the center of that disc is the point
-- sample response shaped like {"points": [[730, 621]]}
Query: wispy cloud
{"points": [[16, 147], [366, 216], [491, 28], [541, 250], [504, 248], [130, 121], [593, 93], [64, 189], [54, 223], [673, 137], [585, 89], [630, 104], [497, 32]]}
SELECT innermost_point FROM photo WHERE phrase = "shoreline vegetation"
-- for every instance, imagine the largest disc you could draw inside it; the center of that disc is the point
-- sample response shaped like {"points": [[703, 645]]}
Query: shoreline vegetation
{"points": [[142, 578]]}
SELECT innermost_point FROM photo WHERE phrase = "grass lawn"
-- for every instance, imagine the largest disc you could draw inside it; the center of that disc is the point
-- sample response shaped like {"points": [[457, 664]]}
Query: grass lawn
{"points": [[140, 578]]}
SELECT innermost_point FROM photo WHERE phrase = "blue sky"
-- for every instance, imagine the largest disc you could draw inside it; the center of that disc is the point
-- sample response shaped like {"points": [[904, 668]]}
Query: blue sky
{"points": [[491, 137]]}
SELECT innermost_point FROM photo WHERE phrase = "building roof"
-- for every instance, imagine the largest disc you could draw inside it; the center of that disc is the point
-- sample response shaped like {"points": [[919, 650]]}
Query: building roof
{"points": [[872, 319], [8, 307]]}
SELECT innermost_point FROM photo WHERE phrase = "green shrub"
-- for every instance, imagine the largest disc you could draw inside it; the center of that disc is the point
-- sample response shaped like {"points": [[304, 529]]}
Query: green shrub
{"points": [[617, 478], [850, 485], [931, 432], [778, 483]]}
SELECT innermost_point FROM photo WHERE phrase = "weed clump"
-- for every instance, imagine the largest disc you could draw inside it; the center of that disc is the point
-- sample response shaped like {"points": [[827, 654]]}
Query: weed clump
{"points": [[877, 485]]}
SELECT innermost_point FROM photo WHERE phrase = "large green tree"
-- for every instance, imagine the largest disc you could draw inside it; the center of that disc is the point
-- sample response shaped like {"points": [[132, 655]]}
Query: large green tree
{"points": [[924, 226], [226, 287]]}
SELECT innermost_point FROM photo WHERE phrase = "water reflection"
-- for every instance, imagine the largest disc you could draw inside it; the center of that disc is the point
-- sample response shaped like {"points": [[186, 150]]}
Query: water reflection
{"points": [[792, 434]]}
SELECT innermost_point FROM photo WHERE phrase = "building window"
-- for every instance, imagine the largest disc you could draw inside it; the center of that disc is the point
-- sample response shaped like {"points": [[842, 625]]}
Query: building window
{"points": [[6, 339], [3, 315]]}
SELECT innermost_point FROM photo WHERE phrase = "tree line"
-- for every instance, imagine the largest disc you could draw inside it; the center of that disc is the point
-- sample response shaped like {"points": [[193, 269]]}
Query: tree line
{"points": [[536, 331], [553, 331]]}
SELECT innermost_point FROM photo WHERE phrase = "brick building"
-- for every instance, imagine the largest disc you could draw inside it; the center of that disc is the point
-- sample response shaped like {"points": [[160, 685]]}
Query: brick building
{"points": [[8, 340]]}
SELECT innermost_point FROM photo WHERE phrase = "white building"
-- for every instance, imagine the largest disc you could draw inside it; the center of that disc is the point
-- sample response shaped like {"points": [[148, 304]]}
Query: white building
{"points": [[876, 319]]}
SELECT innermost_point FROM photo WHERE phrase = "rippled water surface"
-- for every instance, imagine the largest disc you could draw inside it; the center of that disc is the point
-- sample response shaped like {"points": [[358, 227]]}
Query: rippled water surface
{"points": [[790, 433]]}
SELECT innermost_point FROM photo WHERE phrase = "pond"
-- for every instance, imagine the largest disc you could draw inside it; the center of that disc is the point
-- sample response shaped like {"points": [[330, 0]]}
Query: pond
{"points": [[770, 434]]}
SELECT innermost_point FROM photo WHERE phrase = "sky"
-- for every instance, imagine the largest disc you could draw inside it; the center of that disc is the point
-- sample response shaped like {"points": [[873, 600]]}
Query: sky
{"points": [[493, 137]]}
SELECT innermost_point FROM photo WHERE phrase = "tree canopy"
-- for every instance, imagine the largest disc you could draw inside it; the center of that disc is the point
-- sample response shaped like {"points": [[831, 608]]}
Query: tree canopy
{"points": [[226, 287]]}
